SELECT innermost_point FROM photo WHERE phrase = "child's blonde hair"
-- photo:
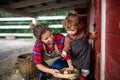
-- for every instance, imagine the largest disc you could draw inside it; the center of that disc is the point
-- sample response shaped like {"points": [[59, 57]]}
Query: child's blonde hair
{"points": [[72, 21]]}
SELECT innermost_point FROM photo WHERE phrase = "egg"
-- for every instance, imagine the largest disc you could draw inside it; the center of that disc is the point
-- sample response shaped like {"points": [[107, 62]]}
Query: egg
{"points": [[65, 72]]}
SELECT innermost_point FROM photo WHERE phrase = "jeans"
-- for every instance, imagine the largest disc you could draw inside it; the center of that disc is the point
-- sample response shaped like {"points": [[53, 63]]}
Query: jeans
{"points": [[58, 64]]}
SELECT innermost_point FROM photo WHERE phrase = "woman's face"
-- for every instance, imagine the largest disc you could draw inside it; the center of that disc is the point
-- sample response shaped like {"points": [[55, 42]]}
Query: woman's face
{"points": [[47, 38]]}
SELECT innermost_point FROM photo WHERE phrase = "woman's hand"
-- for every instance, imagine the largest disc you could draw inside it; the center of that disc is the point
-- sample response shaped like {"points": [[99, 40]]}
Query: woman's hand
{"points": [[55, 72]]}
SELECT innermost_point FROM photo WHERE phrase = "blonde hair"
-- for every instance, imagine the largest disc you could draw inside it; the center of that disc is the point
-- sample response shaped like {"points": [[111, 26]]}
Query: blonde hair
{"points": [[39, 29], [72, 21]]}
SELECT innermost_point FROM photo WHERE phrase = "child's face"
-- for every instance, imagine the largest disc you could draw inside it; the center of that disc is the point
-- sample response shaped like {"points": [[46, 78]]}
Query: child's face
{"points": [[72, 31]]}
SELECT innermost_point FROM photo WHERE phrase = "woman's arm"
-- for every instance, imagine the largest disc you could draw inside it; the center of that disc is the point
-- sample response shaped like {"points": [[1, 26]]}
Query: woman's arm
{"points": [[38, 59], [48, 70]]}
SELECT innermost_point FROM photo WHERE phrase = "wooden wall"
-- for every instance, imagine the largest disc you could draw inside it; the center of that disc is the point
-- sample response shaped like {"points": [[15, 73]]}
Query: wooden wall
{"points": [[97, 20], [112, 69]]}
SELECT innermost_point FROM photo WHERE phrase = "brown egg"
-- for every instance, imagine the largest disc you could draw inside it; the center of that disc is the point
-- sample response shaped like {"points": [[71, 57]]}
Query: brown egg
{"points": [[66, 72], [69, 71]]}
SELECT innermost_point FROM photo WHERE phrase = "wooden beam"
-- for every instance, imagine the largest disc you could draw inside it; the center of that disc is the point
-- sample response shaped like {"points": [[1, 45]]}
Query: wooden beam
{"points": [[21, 34], [28, 3], [16, 34], [27, 27], [55, 6], [61, 9], [17, 12], [29, 18]]}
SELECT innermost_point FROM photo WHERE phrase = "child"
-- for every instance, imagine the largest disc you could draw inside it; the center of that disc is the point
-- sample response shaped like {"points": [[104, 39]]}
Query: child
{"points": [[77, 42]]}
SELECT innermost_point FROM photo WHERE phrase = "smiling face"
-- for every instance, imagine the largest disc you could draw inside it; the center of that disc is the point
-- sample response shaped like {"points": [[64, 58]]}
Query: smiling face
{"points": [[47, 38]]}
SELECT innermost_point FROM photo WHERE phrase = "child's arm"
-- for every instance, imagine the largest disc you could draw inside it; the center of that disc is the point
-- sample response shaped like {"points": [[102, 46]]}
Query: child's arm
{"points": [[70, 65], [66, 47], [92, 35], [64, 54]]}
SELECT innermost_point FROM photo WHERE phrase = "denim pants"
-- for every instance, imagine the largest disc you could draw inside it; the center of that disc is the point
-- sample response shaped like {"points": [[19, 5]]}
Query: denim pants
{"points": [[58, 64]]}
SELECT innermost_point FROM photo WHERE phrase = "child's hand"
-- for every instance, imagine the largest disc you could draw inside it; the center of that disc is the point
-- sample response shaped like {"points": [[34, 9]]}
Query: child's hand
{"points": [[63, 55], [93, 35], [71, 67]]}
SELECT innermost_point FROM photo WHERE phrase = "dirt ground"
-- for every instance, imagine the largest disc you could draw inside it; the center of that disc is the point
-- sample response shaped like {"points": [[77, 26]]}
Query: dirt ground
{"points": [[9, 52]]}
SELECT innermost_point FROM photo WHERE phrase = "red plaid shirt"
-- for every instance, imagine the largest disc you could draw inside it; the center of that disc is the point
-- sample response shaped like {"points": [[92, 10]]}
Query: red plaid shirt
{"points": [[38, 48]]}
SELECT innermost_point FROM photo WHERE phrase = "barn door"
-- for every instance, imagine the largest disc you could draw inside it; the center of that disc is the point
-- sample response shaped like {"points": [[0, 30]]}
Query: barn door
{"points": [[112, 58]]}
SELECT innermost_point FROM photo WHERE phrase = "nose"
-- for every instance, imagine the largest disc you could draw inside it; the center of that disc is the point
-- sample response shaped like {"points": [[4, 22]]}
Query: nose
{"points": [[70, 32], [50, 38]]}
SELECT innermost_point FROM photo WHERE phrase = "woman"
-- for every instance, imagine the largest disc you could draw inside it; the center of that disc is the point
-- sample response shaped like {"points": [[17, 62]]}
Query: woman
{"points": [[48, 46]]}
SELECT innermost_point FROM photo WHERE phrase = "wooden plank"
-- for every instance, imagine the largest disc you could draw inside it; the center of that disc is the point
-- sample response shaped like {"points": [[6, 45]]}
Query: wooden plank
{"points": [[56, 26], [27, 27], [60, 9], [112, 57], [60, 5], [113, 47], [113, 20], [29, 18], [28, 3], [97, 20], [21, 34], [15, 27], [17, 12], [16, 19], [113, 40], [111, 4], [112, 69], [51, 17], [16, 34]]}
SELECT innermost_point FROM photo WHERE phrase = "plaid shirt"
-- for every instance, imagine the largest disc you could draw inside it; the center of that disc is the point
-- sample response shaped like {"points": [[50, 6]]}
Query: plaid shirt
{"points": [[38, 49]]}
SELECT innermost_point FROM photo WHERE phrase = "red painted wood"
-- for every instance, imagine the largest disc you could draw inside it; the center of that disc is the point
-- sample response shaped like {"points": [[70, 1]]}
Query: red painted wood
{"points": [[97, 20], [81, 10], [112, 57], [112, 4], [113, 20], [113, 46]]}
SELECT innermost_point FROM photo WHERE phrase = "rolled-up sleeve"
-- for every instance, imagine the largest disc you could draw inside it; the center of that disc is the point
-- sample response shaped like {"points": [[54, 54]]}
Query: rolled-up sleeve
{"points": [[37, 53]]}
